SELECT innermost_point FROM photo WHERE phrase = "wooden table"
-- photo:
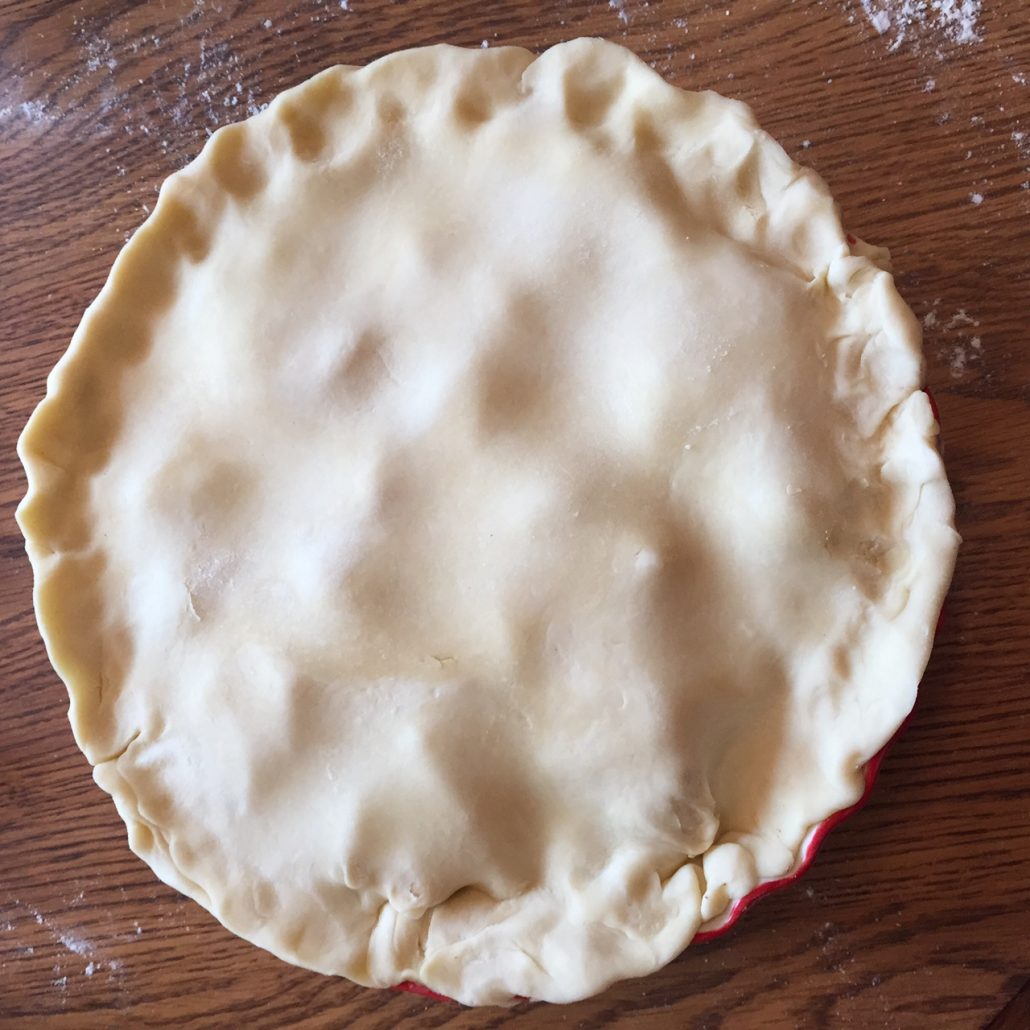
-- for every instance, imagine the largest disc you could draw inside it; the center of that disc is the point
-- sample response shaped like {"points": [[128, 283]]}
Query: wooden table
{"points": [[915, 913]]}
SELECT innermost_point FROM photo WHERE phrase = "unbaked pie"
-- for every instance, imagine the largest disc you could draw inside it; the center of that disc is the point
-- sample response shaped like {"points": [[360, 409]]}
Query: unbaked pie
{"points": [[487, 519]]}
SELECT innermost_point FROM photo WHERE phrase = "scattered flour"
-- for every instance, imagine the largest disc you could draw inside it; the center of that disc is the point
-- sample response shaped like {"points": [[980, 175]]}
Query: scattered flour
{"points": [[76, 945], [976, 198], [619, 7], [961, 351], [208, 92], [35, 112], [960, 355], [955, 21], [960, 318], [98, 54]]}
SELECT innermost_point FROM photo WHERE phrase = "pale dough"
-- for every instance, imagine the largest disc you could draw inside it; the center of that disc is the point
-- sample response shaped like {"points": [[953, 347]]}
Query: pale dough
{"points": [[486, 520]]}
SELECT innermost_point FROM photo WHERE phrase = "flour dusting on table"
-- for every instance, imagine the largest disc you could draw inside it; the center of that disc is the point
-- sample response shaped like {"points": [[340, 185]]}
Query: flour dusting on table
{"points": [[959, 350], [955, 21]]}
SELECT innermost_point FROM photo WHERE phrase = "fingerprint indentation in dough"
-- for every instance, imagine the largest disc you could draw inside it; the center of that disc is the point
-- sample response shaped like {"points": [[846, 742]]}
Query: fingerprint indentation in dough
{"points": [[237, 167], [588, 99]]}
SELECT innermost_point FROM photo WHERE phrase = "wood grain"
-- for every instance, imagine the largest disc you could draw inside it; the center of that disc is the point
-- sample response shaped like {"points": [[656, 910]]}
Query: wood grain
{"points": [[915, 912]]}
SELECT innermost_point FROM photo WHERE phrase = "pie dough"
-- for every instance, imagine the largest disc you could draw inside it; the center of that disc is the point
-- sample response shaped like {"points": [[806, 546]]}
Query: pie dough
{"points": [[487, 519]]}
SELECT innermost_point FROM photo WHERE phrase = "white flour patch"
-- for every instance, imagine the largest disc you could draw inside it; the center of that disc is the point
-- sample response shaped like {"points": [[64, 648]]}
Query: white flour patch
{"points": [[1022, 142], [976, 198], [923, 22], [35, 112], [957, 349], [76, 945], [960, 318], [97, 52], [619, 7], [960, 356], [79, 946]]}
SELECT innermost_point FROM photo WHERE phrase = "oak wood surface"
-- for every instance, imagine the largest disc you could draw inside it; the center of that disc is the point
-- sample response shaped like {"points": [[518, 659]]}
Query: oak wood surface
{"points": [[915, 913]]}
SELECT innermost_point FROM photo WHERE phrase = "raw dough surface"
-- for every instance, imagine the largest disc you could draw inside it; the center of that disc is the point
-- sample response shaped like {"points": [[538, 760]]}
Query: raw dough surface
{"points": [[488, 517]]}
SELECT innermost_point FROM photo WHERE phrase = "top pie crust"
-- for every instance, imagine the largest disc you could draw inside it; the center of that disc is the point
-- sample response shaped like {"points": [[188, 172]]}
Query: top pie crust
{"points": [[487, 519]]}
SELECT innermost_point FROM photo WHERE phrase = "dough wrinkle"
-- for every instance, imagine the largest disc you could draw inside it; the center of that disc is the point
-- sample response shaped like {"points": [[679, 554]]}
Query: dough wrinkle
{"points": [[119, 752]]}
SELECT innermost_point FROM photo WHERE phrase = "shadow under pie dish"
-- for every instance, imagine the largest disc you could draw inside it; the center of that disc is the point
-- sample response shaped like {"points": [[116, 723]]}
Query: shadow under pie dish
{"points": [[487, 519]]}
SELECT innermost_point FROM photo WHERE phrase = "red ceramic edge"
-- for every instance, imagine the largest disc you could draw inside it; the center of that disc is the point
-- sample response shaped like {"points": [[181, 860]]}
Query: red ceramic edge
{"points": [[413, 988], [871, 769]]}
